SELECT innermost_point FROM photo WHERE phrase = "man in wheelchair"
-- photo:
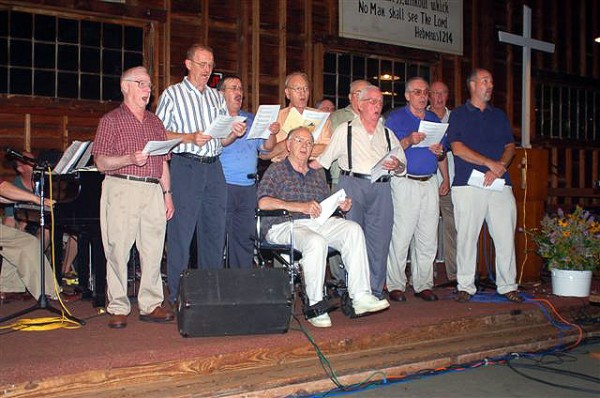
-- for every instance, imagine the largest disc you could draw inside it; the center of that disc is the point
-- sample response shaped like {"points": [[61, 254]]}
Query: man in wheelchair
{"points": [[293, 186]]}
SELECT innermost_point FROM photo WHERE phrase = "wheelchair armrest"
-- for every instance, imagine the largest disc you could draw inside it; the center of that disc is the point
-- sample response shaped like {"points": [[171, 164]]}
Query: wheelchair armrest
{"points": [[272, 213]]}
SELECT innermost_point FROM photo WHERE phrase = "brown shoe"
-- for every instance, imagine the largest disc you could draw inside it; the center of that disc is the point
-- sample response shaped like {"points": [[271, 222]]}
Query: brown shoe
{"points": [[426, 295], [159, 315], [514, 297], [397, 295], [463, 297], [117, 321]]}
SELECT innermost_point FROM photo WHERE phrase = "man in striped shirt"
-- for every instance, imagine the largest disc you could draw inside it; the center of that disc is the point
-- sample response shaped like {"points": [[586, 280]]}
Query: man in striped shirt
{"points": [[199, 190]]}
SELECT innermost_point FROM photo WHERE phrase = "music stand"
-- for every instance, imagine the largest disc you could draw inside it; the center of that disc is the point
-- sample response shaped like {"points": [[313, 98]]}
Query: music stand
{"points": [[42, 302]]}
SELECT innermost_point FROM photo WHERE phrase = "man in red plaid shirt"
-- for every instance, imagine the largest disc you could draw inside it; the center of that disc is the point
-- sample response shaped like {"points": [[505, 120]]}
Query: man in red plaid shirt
{"points": [[136, 199]]}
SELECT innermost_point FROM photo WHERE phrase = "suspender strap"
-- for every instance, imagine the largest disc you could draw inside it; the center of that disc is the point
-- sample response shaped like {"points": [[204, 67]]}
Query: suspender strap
{"points": [[387, 138], [349, 144]]}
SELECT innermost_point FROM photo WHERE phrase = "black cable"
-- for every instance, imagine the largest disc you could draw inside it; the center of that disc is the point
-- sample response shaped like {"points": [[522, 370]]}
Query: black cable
{"points": [[543, 368]]}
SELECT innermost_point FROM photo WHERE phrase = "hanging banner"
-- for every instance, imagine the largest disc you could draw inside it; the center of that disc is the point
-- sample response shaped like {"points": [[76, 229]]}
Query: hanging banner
{"points": [[435, 25]]}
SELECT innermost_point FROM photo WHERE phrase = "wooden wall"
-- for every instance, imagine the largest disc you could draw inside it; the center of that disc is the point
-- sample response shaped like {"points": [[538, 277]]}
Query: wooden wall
{"points": [[262, 41]]}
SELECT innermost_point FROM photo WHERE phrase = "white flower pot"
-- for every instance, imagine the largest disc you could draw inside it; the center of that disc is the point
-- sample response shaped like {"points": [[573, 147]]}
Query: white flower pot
{"points": [[571, 283]]}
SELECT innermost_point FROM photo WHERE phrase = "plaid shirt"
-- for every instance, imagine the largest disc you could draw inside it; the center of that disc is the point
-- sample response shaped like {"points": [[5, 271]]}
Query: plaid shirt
{"points": [[281, 181], [121, 133]]}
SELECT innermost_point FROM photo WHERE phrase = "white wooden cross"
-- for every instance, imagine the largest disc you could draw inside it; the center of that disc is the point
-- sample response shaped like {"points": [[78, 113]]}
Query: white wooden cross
{"points": [[528, 44]]}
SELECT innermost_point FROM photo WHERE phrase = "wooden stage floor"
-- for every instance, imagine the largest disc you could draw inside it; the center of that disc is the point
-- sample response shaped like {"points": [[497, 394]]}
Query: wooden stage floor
{"points": [[153, 360]]}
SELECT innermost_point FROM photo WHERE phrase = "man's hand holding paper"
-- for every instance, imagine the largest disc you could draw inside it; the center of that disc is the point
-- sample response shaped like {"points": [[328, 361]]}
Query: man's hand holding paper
{"points": [[434, 132], [330, 204]]}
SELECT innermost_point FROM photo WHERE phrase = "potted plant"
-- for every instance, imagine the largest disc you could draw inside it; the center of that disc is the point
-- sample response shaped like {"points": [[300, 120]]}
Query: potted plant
{"points": [[570, 244]]}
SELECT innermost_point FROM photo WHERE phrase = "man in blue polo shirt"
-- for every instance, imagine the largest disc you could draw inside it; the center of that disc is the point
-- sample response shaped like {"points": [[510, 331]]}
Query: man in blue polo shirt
{"points": [[415, 197], [239, 161], [481, 139]]}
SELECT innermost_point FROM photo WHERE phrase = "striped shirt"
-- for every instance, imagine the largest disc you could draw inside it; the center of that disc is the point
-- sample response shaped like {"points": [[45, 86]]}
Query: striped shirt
{"points": [[185, 109]]}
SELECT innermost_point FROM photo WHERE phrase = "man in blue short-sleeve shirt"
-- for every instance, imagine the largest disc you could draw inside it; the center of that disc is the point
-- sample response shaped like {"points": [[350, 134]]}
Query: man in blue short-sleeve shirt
{"points": [[415, 197], [481, 139], [239, 161]]}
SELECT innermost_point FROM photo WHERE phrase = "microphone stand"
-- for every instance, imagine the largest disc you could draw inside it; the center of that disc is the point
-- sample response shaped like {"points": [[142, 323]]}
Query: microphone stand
{"points": [[42, 302]]}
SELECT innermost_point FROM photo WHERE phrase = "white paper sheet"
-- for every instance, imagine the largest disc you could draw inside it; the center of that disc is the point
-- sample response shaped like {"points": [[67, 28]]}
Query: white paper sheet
{"points": [[265, 116], [312, 120], [329, 205], [434, 132], [476, 180], [221, 126], [378, 170], [154, 148]]}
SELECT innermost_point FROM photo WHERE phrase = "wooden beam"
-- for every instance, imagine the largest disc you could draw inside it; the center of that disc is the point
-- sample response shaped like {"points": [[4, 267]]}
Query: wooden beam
{"points": [[510, 81], [242, 44], [282, 49], [475, 18], [205, 21], [458, 80], [568, 36], [308, 42], [595, 47], [27, 137], [554, 22], [255, 53]]}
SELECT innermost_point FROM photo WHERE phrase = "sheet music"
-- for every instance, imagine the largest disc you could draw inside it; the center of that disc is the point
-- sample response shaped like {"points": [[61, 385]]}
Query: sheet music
{"points": [[313, 120], [85, 158], [378, 170], [221, 126], [265, 116], [476, 180], [330, 204], [73, 153], [154, 148], [434, 132]]}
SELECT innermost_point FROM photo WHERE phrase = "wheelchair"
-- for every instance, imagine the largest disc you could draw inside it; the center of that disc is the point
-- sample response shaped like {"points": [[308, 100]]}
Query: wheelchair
{"points": [[290, 260]]}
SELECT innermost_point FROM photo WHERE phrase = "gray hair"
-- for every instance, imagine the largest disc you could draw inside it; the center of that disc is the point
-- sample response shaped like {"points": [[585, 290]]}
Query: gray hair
{"points": [[363, 92], [297, 73], [410, 81]]}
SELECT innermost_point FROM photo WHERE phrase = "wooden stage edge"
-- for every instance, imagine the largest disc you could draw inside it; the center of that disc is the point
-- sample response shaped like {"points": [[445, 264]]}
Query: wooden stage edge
{"points": [[296, 370]]}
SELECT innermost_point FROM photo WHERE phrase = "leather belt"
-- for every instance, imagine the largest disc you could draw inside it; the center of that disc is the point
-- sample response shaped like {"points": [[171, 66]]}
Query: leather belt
{"points": [[198, 158], [385, 178], [150, 180], [423, 178]]}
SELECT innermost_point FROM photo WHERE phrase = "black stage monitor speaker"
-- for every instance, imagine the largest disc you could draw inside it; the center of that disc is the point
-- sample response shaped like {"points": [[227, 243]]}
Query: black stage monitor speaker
{"points": [[222, 302]]}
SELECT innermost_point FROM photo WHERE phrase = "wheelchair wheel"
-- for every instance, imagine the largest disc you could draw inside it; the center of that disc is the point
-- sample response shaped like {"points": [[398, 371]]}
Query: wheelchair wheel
{"points": [[346, 304]]}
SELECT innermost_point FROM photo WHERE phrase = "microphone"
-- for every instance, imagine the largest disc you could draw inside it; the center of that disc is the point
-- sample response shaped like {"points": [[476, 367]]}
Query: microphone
{"points": [[17, 155]]}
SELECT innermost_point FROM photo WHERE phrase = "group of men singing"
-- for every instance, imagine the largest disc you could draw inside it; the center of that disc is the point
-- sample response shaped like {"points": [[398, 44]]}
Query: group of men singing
{"points": [[207, 186]]}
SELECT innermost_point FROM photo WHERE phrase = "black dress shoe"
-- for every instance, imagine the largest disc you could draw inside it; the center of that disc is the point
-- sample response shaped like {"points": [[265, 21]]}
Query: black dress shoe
{"points": [[427, 295], [397, 295]]}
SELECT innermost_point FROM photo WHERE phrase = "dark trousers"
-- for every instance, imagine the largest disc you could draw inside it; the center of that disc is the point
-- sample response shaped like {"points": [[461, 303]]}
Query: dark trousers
{"points": [[200, 199], [372, 208], [241, 225]]}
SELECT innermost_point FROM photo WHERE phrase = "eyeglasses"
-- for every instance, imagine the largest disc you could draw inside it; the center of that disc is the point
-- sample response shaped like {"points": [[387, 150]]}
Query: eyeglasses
{"points": [[141, 83], [203, 64], [300, 141], [418, 91], [299, 89], [438, 92], [373, 101], [235, 88]]}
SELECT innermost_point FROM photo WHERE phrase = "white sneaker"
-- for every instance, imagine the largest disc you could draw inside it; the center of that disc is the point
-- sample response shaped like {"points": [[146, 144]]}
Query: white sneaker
{"points": [[369, 303], [321, 321]]}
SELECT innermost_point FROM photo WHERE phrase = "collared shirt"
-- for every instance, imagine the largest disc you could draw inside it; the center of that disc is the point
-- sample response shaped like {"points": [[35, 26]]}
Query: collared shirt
{"points": [[281, 181], [121, 133], [486, 132], [343, 115], [185, 109], [240, 158], [446, 114], [449, 154], [367, 149], [420, 161]]}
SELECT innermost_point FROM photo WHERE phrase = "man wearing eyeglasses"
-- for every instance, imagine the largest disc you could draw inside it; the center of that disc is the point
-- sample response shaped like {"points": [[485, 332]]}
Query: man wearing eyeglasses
{"points": [[198, 184], [416, 198], [297, 91], [239, 161], [136, 200], [357, 146], [279, 189]]}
